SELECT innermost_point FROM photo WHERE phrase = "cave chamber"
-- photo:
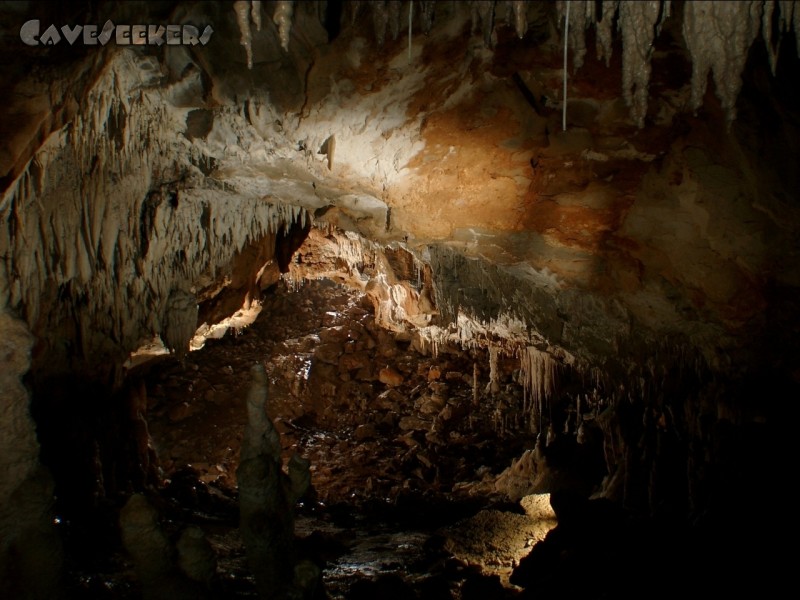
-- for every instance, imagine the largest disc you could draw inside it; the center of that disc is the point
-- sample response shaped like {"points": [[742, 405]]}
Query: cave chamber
{"points": [[398, 299]]}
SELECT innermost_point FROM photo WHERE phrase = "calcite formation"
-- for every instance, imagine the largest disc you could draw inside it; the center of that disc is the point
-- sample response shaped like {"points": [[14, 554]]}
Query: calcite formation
{"points": [[267, 496], [639, 263]]}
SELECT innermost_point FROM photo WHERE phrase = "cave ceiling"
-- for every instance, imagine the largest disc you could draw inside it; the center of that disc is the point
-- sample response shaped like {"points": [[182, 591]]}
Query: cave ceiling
{"points": [[655, 212]]}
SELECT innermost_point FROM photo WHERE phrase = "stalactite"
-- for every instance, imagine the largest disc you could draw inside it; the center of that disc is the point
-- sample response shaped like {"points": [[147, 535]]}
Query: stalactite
{"points": [[581, 15], [538, 370], [283, 21], [788, 17], [605, 30], [393, 8], [637, 21], [520, 8], [380, 20], [426, 15], [255, 13], [494, 376], [483, 14], [718, 36], [242, 10], [475, 384], [109, 258]]}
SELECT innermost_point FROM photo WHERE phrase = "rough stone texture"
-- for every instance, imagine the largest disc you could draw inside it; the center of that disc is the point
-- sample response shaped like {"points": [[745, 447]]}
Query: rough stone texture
{"points": [[18, 447], [655, 268], [154, 557], [267, 497], [30, 547], [496, 538], [537, 506], [196, 558], [31, 555]]}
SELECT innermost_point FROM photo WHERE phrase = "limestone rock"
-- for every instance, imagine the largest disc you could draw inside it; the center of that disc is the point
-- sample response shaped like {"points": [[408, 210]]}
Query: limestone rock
{"points": [[196, 557], [537, 506], [495, 538], [390, 377]]}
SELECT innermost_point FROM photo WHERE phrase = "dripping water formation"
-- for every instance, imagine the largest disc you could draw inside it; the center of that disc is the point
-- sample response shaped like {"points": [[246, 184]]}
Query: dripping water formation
{"points": [[433, 300]]}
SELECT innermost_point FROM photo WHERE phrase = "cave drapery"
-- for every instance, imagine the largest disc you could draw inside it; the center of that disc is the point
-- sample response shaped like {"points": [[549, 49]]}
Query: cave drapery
{"points": [[649, 248]]}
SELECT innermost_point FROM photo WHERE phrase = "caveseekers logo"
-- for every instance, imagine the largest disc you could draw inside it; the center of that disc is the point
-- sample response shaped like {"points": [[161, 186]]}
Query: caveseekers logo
{"points": [[124, 35]]}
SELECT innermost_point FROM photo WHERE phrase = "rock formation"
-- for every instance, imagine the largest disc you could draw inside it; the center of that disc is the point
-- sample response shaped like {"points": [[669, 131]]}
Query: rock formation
{"points": [[267, 497], [611, 231]]}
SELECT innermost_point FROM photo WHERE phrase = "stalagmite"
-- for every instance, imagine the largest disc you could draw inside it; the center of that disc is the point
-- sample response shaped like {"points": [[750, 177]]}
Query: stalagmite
{"points": [[580, 436], [30, 545], [196, 557], [267, 496], [153, 555]]}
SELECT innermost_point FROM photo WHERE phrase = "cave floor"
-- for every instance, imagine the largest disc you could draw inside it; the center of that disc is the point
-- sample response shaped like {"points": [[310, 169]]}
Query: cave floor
{"points": [[403, 460]]}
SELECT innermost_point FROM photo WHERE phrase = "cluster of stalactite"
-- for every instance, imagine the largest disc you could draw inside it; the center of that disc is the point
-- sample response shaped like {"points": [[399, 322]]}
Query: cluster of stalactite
{"points": [[718, 34]]}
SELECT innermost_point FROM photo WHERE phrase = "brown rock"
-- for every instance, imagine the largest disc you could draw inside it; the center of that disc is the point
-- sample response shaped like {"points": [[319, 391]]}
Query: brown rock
{"points": [[388, 400], [430, 404], [411, 423], [356, 360], [390, 377], [328, 353], [179, 412], [365, 432], [336, 335]]}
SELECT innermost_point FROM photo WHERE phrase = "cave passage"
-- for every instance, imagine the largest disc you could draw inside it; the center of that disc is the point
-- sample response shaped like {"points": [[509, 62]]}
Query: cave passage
{"points": [[404, 461], [435, 472]]}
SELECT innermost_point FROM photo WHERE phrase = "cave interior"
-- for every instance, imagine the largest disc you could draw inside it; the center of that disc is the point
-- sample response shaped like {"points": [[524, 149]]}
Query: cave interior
{"points": [[435, 299]]}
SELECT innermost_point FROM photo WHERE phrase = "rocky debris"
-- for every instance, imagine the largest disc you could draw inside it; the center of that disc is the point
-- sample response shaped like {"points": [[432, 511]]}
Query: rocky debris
{"points": [[390, 377], [494, 538], [366, 440]]}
